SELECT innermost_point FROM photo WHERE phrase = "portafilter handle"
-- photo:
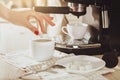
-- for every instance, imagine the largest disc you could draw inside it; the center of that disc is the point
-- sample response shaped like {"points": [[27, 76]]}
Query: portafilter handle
{"points": [[58, 10], [52, 10]]}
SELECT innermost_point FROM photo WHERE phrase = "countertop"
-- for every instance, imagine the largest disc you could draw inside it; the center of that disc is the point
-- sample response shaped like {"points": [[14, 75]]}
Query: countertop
{"points": [[114, 75]]}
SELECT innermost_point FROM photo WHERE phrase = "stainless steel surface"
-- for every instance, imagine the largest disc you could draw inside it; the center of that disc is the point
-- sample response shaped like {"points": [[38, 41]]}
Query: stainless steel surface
{"points": [[75, 7]]}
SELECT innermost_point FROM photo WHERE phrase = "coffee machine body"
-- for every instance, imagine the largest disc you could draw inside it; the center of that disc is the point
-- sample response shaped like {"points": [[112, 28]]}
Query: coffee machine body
{"points": [[107, 39]]}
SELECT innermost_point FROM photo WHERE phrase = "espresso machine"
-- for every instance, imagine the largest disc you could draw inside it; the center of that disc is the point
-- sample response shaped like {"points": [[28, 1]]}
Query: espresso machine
{"points": [[108, 38]]}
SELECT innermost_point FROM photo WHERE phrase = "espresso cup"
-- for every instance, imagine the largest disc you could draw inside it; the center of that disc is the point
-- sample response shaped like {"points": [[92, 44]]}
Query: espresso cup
{"points": [[75, 30], [42, 49]]}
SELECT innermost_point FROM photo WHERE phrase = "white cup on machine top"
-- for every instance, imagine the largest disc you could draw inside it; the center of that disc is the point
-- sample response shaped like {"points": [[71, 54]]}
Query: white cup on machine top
{"points": [[42, 49], [75, 30]]}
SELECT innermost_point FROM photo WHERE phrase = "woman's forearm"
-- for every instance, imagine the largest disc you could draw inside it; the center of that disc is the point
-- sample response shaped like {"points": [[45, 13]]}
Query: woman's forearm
{"points": [[4, 12], [22, 18]]}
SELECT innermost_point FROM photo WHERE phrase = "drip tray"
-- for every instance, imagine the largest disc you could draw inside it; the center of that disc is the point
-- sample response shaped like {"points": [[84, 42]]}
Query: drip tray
{"points": [[83, 49]]}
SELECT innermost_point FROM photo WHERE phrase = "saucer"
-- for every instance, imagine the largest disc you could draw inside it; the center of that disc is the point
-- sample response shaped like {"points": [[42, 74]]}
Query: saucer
{"points": [[81, 64]]}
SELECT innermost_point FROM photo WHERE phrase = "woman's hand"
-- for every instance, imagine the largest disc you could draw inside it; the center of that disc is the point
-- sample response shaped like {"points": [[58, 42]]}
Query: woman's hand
{"points": [[22, 18]]}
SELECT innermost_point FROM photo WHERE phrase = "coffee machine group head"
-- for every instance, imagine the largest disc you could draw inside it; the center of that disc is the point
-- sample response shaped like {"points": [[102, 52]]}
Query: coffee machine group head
{"points": [[76, 7]]}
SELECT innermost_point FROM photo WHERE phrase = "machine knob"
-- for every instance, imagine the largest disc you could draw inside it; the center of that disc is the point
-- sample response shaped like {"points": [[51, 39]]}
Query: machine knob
{"points": [[111, 59]]}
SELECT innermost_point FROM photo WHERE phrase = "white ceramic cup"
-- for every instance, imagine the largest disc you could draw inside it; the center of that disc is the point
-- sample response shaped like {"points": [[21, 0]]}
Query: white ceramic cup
{"points": [[75, 30], [42, 49]]}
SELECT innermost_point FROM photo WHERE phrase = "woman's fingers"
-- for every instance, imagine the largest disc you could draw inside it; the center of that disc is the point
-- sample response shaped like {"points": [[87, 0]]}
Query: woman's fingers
{"points": [[47, 18], [41, 26], [33, 29], [41, 22], [39, 17]]}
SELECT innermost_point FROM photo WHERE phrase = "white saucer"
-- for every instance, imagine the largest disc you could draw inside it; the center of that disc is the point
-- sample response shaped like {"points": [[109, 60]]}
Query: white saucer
{"points": [[84, 63]]}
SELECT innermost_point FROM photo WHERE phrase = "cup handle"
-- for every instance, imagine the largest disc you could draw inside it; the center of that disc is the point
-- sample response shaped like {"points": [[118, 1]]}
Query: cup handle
{"points": [[63, 30]]}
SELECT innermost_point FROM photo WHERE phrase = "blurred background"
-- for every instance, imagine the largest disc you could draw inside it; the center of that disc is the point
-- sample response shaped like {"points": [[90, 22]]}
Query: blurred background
{"points": [[20, 3]]}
